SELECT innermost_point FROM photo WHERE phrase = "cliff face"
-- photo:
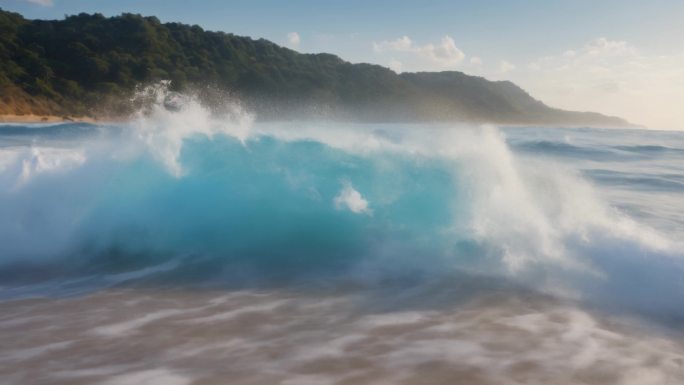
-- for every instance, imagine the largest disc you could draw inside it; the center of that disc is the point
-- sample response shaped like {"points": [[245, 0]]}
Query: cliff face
{"points": [[84, 64]]}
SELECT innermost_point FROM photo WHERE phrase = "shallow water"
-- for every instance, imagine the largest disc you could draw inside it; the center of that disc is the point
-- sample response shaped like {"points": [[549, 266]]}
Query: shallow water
{"points": [[186, 248], [289, 337]]}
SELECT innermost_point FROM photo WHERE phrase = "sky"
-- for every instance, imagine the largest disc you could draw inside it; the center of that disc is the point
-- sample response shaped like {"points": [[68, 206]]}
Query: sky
{"points": [[617, 57]]}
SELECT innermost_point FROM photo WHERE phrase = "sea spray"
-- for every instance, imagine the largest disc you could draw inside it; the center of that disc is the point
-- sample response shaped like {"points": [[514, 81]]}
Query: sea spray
{"points": [[163, 128]]}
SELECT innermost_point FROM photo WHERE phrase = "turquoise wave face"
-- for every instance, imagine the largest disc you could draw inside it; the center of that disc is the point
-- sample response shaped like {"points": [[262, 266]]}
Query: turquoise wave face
{"points": [[272, 205], [260, 208]]}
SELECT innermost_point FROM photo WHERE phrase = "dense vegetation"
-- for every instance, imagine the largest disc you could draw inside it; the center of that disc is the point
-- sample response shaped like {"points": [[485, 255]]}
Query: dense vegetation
{"points": [[84, 62]]}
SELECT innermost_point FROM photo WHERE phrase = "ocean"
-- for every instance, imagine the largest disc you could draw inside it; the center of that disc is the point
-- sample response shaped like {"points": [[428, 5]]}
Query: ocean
{"points": [[188, 248]]}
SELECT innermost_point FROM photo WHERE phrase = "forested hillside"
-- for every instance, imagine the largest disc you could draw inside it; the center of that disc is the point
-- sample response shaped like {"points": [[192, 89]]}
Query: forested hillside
{"points": [[87, 64]]}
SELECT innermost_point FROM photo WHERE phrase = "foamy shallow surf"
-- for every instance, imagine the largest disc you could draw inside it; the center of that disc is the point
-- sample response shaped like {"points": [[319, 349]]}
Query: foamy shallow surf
{"points": [[152, 336]]}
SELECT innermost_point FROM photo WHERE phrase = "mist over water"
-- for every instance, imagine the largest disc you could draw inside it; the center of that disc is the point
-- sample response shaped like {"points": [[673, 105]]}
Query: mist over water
{"points": [[410, 220]]}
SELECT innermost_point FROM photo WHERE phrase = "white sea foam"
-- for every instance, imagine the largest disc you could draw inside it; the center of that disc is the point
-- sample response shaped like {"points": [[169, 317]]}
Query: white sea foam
{"points": [[19, 165], [160, 376], [235, 313], [127, 327], [351, 199], [33, 352]]}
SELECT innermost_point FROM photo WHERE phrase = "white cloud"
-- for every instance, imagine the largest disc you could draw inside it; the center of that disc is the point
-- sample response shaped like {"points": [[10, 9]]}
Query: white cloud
{"points": [[443, 55], [612, 77], [603, 46], [293, 39], [402, 44], [476, 61], [505, 67], [446, 51], [351, 199], [44, 3]]}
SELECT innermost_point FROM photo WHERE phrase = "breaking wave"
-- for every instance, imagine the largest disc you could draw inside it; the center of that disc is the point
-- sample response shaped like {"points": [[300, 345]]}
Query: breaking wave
{"points": [[183, 194]]}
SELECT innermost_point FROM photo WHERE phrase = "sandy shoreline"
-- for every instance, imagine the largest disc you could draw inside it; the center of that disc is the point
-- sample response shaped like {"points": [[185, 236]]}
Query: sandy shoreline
{"points": [[31, 118]]}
